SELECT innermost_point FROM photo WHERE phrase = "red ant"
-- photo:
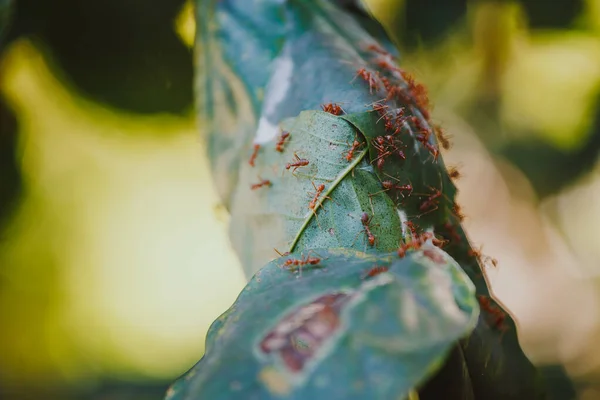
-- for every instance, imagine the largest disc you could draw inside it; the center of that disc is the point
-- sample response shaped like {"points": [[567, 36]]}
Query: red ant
{"points": [[417, 241], [424, 139], [279, 145], [407, 76], [431, 201], [394, 146], [389, 185], [383, 63], [452, 231], [254, 154], [292, 262], [458, 212], [366, 220], [350, 155], [483, 259], [297, 163], [263, 182], [380, 109], [376, 270], [454, 173], [498, 316], [383, 149], [413, 229], [399, 119], [434, 241], [332, 108], [368, 77], [318, 190], [391, 123], [287, 253], [442, 137], [418, 92], [382, 152], [394, 91], [405, 247], [378, 49], [416, 121]]}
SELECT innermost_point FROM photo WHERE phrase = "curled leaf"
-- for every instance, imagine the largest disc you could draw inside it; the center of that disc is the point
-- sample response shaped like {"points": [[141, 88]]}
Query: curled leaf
{"points": [[352, 326]]}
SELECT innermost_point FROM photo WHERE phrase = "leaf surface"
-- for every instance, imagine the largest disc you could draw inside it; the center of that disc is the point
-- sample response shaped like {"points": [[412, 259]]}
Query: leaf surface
{"points": [[331, 331]]}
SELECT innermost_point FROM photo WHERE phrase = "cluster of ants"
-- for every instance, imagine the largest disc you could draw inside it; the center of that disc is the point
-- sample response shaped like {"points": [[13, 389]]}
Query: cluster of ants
{"points": [[496, 315], [407, 92]]}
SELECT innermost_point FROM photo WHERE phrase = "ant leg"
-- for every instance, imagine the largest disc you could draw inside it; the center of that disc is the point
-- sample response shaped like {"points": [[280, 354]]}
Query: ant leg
{"points": [[427, 212], [372, 209], [376, 193]]}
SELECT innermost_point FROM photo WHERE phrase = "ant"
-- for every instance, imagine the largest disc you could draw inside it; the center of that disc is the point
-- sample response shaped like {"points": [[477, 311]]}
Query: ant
{"points": [[366, 220], [318, 190], [424, 139], [380, 109], [452, 231], [454, 173], [399, 119], [418, 241], [413, 229], [378, 49], [405, 247], [294, 263], [434, 241], [297, 163], [483, 259], [393, 91], [458, 212], [394, 146], [279, 145], [407, 76], [383, 63], [350, 155], [498, 316], [418, 124], [418, 92], [287, 253], [368, 77], [332, 108], [263, 182], [382, 152], [254, 154], [442, 137], [383, 144], [390, 185], [431, 203], [376, 270]]}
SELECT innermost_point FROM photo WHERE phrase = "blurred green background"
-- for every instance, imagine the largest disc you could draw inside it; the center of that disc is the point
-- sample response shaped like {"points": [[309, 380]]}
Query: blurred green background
{"points": [[114, 257]]}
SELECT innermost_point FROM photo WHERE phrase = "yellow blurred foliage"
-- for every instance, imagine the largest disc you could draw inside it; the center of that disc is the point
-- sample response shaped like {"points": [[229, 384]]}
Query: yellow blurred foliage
{"points": [[185, 24], [550, 86], [116, 259]]}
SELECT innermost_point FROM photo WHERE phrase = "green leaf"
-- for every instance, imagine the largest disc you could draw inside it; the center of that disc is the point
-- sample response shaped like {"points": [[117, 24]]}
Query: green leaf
{"points": [[332, 331], [253, 71], [292, 56], [279, 215]]}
